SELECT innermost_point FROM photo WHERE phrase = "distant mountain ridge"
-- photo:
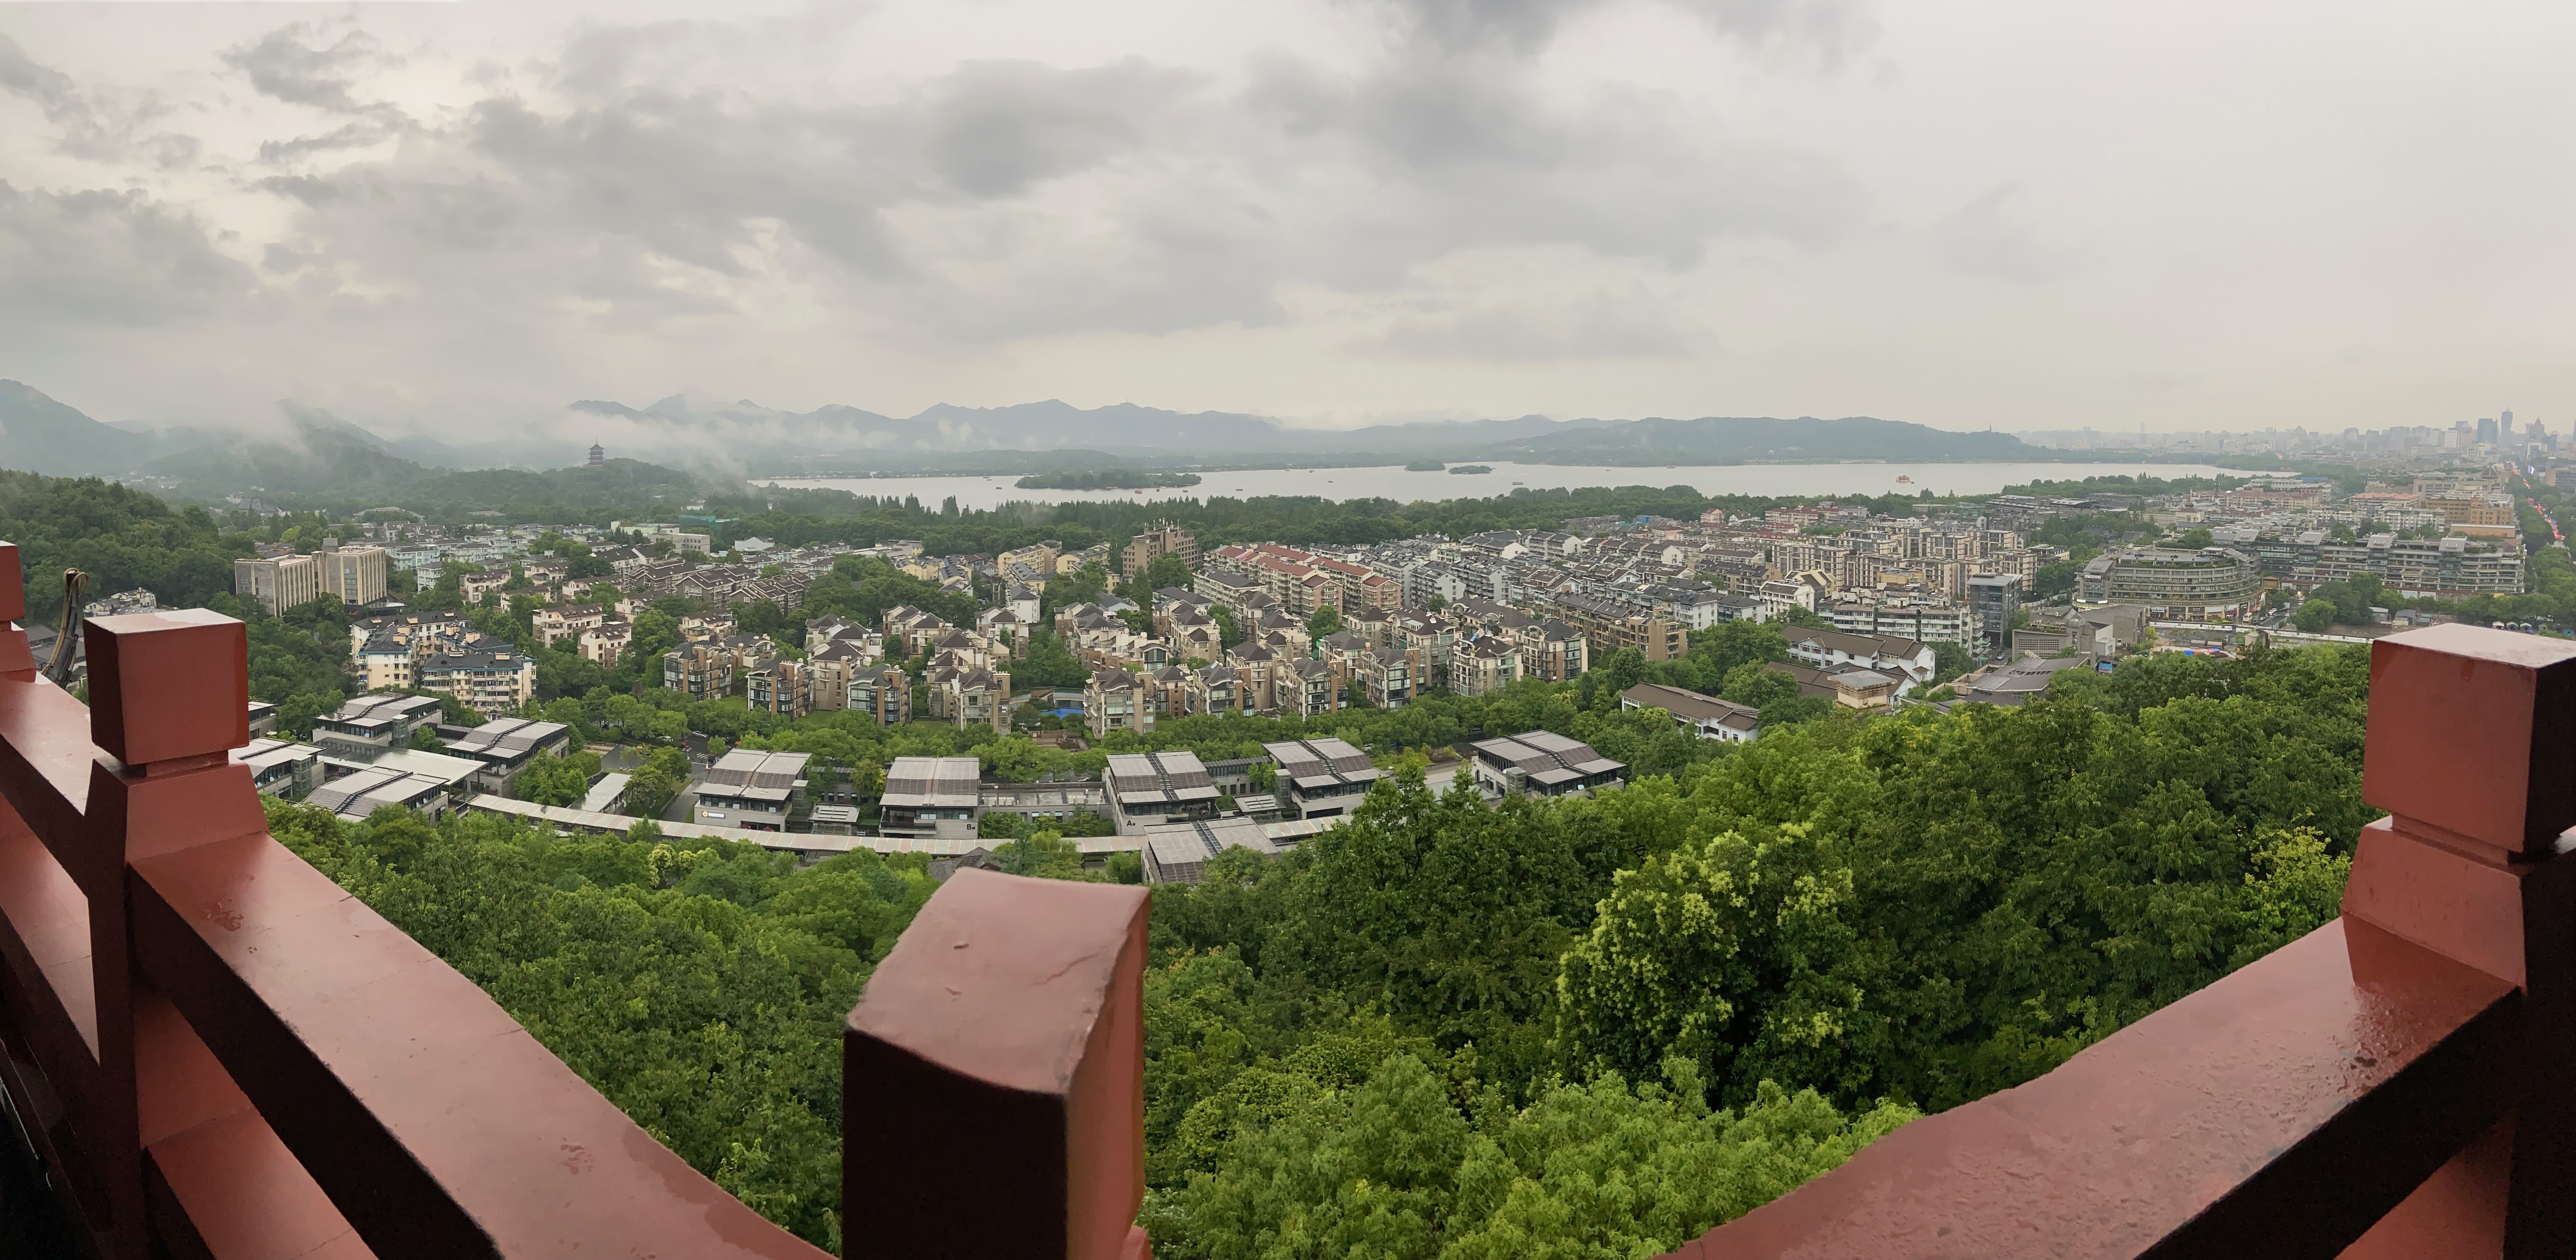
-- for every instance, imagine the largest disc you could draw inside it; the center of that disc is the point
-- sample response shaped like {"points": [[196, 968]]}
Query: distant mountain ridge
{"points": [[314, 451], [42, 435]]}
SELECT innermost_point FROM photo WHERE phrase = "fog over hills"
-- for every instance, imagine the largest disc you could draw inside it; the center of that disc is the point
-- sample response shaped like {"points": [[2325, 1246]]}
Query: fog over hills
{"points": [[312, 450]]}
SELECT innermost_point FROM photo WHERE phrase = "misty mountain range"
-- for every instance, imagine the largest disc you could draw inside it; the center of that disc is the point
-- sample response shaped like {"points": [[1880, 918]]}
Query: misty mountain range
{"points": [[314, 452]]}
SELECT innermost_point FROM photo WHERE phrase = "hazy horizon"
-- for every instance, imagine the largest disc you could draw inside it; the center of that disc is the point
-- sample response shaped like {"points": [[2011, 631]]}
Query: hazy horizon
{"points": [[457, 219]]}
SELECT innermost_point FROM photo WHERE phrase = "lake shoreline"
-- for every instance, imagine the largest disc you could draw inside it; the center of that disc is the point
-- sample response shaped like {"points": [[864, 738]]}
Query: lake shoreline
{"points": [[1207, 470], [1813, 479]]}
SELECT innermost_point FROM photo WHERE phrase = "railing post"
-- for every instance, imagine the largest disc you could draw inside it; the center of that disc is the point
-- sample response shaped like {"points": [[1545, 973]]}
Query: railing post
{"points": [[169, 696], [2472, 751], [17, 660], [999, 1050]]}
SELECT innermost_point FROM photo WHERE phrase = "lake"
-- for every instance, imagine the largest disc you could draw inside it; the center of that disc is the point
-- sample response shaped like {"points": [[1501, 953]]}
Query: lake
{"points": [[1393, 482]]}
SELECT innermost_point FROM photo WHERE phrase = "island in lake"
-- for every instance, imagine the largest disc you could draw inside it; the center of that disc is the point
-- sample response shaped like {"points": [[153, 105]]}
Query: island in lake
{"points": [[1109, 479], [1425, 465], [1471, 468]]}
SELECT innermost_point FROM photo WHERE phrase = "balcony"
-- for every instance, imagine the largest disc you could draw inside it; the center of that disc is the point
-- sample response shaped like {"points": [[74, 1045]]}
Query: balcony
{"points": [[216, 1052]]}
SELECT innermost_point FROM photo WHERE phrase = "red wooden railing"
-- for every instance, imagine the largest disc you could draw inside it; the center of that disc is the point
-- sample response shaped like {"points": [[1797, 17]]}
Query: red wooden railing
{"points": [[2396, 1084], [218, 1053]]}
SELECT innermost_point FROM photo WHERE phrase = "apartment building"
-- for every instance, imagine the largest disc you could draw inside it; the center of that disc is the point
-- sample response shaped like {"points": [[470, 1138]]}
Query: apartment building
{"points": [[493, 683], [779, 686], [1162, 540], [553, 624], [1903, 617], [2210, 584], [1483, 665], [1118, 700], [974, 696], [278, 583], [1992, 600], [606, 642], [1611, 626], [884, 694], [1552, 650], [1310, 688]]}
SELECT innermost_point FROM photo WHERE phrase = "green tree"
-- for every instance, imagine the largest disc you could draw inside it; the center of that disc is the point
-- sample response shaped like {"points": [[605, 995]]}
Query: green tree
{"points": [[1326, 623], [1737, 957], [1162, 572], [1049, 663], [557, 780], [651, 787], [1391, 1169], [2315, 616]]}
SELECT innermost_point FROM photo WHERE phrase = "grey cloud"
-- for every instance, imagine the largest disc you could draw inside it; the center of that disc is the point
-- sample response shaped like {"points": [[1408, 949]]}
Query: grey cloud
{"points": [[1011, 199], [95, 126], [1518, 26], [283, 65], [1983, 239], [1632, 325], [113, 257], [354, 135], [993, 129], [1828, 31]]}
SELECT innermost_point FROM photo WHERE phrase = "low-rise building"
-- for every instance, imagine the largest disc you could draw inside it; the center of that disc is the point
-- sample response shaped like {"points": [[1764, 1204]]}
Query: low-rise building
{"points": [[2012, 683], [753, 789], [1320, 778], [1906, 660], [1147, 789], [278, 768], [2104, 632], [1707, 717], [509, 745], [929, 798], [362, 791], [1178, 853], [1848, 686], [371, 723], [1542, 763]]}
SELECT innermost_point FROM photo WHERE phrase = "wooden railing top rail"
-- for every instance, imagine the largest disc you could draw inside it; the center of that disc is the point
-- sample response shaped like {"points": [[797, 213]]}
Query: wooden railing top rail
{"points": [[2401, 1082]]}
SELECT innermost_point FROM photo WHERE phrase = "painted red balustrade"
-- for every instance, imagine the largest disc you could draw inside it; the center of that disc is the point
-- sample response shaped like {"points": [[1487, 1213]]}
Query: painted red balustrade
{"points": [[2396, 1084], [218, 1053]]}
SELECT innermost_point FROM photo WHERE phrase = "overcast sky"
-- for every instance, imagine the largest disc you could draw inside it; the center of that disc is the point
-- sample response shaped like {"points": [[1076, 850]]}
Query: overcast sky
{"points": [[457, 218]]}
